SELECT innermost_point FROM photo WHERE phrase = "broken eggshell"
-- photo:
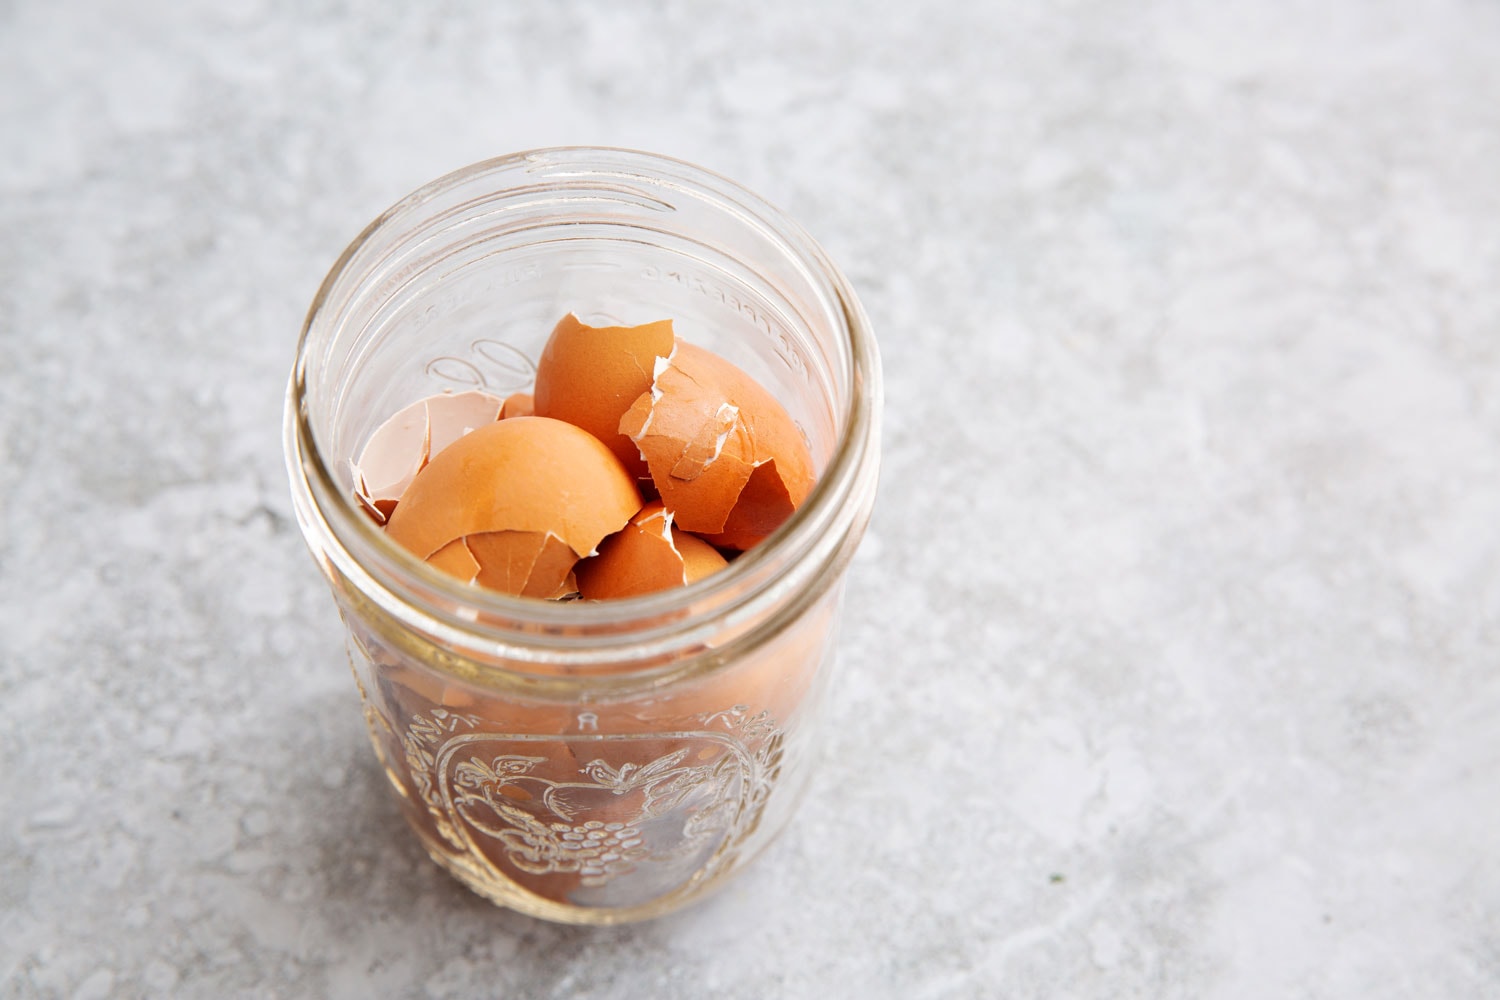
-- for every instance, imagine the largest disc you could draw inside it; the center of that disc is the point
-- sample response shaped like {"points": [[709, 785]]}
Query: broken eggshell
{"points": [[724, 455], [519, 404], [646, 556], [402, 445], [727, 458], [590, 375], [514, 504]]}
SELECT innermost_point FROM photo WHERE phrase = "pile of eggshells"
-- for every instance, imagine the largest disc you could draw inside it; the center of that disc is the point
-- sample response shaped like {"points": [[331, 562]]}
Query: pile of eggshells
{"points": [[638, 462]]}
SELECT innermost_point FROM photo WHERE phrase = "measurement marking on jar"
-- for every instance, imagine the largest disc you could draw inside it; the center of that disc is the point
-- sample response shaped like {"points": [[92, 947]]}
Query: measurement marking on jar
{"points": [[785, 349], [511, 362], [455, 370], [496, 365], [517, 275]]}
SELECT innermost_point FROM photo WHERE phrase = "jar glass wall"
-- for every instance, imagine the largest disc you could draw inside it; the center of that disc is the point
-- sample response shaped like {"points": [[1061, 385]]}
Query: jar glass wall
{"points": [[586, 761]]}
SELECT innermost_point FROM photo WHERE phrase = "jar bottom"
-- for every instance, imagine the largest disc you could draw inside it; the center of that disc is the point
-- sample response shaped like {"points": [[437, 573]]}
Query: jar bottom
{"points": [[588, 829], [486, 884], [563, 812]]}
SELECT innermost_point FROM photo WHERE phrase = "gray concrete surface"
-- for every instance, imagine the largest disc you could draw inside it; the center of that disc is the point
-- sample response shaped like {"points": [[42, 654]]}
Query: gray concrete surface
{"points": [[1172, 663]]}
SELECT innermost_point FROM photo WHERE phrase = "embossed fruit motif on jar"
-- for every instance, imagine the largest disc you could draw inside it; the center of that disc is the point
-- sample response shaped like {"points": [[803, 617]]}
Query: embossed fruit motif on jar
{"points": [[582, 760]]}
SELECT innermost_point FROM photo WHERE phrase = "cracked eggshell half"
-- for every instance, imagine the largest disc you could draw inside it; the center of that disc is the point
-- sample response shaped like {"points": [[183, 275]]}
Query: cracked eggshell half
{"points": [[401, 446], [513, 505], [646, 556], [727, 458], [590, 375]]}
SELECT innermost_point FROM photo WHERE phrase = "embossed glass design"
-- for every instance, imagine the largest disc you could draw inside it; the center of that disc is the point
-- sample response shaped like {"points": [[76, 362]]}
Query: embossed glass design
{"points": [[586, 762]]}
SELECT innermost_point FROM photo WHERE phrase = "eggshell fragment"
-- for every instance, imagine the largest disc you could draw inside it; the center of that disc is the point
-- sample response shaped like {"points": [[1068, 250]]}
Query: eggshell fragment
{"points": [[391, 458], [726, 456], [646, 556], [589, 376], [455, 559], [450, 417], [518, 404], [525, 497], [517, 562], [763, 506], [401, 446], [529, 563]]}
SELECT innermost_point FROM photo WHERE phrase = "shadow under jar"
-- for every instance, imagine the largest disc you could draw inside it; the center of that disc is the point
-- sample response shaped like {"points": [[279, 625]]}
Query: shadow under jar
{"points": [[588, 762]]}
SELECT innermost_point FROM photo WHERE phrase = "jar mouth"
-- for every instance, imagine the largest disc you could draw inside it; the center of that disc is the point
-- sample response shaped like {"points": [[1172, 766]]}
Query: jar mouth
{"points": [[580, 636]]}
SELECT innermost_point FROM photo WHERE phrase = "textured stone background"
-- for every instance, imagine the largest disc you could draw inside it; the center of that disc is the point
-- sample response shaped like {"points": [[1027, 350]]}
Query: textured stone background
{"points": [[1173, 657]]}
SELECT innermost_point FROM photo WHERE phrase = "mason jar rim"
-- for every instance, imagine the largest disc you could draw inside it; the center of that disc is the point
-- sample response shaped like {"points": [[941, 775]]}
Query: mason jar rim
{"points": [[806, 554]]}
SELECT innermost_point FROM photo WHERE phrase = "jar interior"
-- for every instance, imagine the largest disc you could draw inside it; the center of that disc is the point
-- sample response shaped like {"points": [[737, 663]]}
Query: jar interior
{"points": [[473, 309]]}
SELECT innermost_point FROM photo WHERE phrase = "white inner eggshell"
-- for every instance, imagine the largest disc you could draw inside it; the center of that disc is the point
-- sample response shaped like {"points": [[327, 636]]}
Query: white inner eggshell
{"points": [[402, 446]]}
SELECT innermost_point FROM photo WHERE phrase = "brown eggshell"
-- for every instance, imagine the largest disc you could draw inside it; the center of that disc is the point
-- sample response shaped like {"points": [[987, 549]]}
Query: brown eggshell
{"points": [[518, 404], [529, 563], [699, 559], [522, 475], [646, 556], [589, 376], [763, 506], [666, 423], [455, 559], [715, 441]]}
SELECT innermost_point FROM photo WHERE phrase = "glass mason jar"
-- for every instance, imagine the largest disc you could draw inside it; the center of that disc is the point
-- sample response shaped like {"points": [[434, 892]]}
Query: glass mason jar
{"points": [[590, 762]]}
